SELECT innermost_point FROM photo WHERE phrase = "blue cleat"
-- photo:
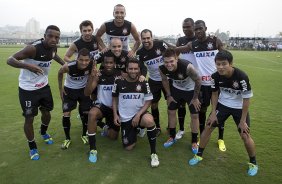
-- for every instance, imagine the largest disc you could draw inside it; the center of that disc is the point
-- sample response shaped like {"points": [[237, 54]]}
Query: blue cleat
{"points": [[47, 138], [195, 160], [104, 132], [34, 154], [169, 142], [253, 169], [93, 156]]}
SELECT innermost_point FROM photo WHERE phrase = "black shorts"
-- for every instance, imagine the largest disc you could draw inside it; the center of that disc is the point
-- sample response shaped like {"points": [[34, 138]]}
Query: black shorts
{"points": [[156, 88], [224, 112], [129, 133], [73, 96], [32, 100], [108, 115], [181, 97], [205, 96]]}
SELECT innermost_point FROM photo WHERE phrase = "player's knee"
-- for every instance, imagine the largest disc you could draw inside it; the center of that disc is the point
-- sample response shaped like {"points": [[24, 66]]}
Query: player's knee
{"points": [[148, 120]]}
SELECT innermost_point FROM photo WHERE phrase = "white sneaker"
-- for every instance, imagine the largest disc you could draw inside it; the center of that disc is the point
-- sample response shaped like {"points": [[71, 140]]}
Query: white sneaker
{"points": [[179, 134], [142, 132], [155, 160]]}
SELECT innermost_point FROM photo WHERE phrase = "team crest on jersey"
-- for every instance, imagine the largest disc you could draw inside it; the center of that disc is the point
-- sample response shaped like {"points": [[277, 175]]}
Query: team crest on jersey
{"points": [[124, 31], [235, 84], [28, 111], [65, 106], [180, 76], [158, 52], [122, 59], [138, 88], [86, 72], [210, 46]]}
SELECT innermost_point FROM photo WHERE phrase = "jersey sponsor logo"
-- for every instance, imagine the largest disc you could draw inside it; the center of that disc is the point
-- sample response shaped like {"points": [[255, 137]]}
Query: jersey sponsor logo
{"points": [[77, 78], [132, 96], [107, 88], [39, 85], [123, 39], [42, 56], [210, 45], [138, 88], [205, 54], [231, 91], [112, 31], [123, 87], [155, 61], [45, 64], [244, 85]]}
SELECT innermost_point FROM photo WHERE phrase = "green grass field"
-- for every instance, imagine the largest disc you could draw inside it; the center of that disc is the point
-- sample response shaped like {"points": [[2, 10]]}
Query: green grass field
{"points": [[116, 165]]}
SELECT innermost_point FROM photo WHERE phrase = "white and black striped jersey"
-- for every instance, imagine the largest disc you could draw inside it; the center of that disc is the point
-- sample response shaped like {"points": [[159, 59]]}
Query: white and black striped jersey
{"points": [[105, 86], [188, 56], [180, 79], [152, 58], [43, 58], [131, 97], [76, 78], [92, 46], [233, 89], [205, 53], [123, 32]]}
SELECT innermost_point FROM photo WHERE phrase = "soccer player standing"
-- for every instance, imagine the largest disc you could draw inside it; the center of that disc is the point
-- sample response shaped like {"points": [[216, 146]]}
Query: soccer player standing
{"points": [[34, 90]]}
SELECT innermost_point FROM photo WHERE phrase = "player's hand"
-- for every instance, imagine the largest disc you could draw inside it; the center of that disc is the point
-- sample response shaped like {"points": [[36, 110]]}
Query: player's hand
{"points": [[94, 71], [62, 93], [104, 50], [130, 54], [196, 103], [244, 128], [212, 120], [35, 69], [142, 78], [116, 120], [135, 120], [170, 99]]}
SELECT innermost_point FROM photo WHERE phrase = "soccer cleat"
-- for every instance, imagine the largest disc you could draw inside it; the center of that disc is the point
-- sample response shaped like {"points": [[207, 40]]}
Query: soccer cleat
{"points": [[84, 139], [194, 148], [221, 145], [93, 156], [34, 154], [253, 169], [141, 132], [195, 160], [47, 138], [155, 160], [104, 132], [66, 144], [169, 142], [179, 134], [158, 132]]}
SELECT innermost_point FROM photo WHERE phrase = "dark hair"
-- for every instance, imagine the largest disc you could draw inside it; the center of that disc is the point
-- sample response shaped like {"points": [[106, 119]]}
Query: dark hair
{"points": [[83, 52], [85, 23], [146, 31], [109, 54], [120, 5], [133, 60], [189, 20], [170, 52], [224, 55], [53, 27], [200, 22]]}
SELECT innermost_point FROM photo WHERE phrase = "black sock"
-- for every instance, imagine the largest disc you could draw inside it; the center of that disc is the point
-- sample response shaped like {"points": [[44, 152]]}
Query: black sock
{"points": [[32, 144], [92, 141], [100, 123], [253, 160], [172, 132], [84, 120], [43, 129], [202, 120], [181, 117], [220, 131], [200, 152], [194, 137], [151, 134], [66, 126], [156, 115]]}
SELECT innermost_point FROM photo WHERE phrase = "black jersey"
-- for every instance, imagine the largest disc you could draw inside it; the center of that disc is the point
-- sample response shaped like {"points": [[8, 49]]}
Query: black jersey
{"points": [[105, 85], [233, 89], [76, 78], [152, 58], [43, 58], [205, 53], [92, 46], [188, 56], [123, 32], [179, 77], [131, 97]]}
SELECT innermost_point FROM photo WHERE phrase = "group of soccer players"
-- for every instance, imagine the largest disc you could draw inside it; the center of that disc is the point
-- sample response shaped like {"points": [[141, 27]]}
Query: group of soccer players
{"points": [[118, 91]]}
